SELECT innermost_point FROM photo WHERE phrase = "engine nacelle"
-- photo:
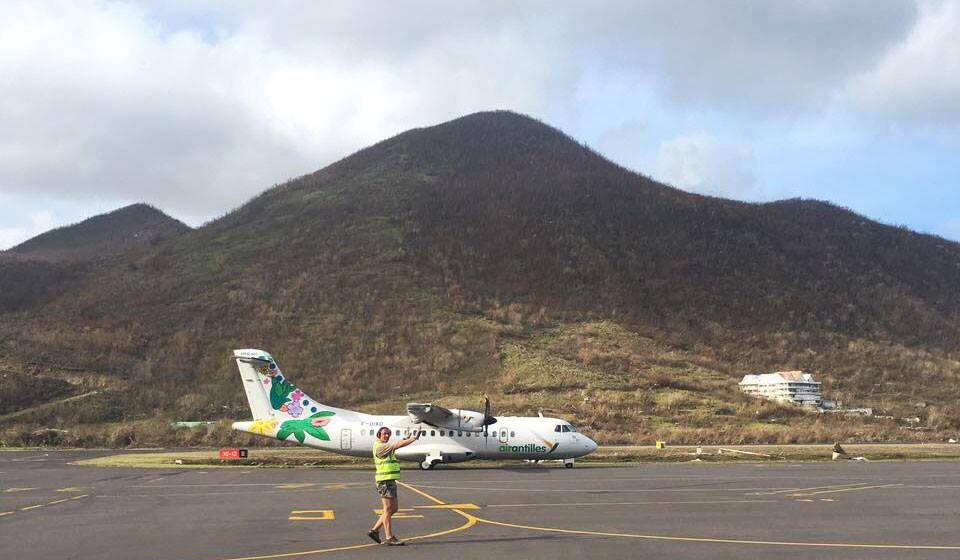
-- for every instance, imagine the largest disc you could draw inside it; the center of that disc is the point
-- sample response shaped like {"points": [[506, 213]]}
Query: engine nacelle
{"points": [[454, 419]]}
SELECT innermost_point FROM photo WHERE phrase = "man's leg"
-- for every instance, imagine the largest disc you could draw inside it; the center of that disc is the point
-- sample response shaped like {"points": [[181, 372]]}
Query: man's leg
{"points": [[389, 508], [384, 518]]}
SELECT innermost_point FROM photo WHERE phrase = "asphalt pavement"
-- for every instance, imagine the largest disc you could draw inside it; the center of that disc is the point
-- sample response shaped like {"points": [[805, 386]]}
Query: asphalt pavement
{"points": [[52, 509]]}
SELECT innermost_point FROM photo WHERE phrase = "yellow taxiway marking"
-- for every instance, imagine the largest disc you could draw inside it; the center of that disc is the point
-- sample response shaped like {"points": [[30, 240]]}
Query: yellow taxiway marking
{"points": [[58, 501], [401, 513], [312, 515], [78, 497], [73, 489], [847, 489], [720, 541], [475, 519], [788, 490], [2, 513], [449, 506], [470, 522], [31, 507], [294, 485], [8, 490]]}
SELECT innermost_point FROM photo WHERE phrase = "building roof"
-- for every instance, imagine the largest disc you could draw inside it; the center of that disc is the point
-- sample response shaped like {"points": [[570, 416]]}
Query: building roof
{"points": [[778, 377]]}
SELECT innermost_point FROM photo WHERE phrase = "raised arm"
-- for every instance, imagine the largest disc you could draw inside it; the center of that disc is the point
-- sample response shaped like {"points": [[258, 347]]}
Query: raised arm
{"points": [[407, 441]]}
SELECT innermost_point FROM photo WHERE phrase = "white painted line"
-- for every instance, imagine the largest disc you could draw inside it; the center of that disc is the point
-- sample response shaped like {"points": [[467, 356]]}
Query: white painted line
{"points": [[580, 504], [702, 490], [31, 507]]}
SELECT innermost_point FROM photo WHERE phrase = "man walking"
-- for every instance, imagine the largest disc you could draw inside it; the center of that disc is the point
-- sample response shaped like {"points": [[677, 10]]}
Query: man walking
{"points": [[388, 473]]}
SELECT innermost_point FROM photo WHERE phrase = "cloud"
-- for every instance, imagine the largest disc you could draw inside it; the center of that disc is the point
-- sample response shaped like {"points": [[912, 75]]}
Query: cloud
{"points": [[197, 106], [702, 164], [917, 81], [103, 98], [950, 229], [38, 222]]}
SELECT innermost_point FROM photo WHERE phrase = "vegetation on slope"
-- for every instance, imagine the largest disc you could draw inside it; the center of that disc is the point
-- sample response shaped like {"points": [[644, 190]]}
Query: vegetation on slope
{"points": [[494, 254]]}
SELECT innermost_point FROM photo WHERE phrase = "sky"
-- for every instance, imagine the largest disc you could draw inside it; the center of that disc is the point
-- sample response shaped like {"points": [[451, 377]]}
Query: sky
{"points": [[195, 106]]}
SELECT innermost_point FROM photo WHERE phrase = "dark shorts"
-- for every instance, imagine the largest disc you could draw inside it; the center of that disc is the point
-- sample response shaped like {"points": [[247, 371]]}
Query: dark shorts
{"points": [[387, 489]]}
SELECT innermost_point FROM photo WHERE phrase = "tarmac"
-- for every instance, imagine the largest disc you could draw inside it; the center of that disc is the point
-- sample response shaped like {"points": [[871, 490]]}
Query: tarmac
{"points": [[844, 509]]}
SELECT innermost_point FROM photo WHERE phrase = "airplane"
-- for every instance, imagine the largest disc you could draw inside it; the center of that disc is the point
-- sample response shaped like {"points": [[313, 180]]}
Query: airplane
{"points": [[282, 411]]}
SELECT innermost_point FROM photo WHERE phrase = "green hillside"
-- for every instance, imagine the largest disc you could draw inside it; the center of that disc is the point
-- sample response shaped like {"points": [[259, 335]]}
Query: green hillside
{"points": [[494, 254]]}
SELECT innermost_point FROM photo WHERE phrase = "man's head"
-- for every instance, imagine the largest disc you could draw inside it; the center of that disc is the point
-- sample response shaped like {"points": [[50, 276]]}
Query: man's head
{"points": [[383, 434]]}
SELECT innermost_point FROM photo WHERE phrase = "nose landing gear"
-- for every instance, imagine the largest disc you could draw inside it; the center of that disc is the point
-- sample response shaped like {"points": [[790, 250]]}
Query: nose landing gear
{"points": [[568, 463]]}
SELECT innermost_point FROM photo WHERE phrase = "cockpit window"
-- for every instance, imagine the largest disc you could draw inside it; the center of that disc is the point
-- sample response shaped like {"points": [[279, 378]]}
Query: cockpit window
{"points": [[572, 429], [564, 428], [557, 428]]}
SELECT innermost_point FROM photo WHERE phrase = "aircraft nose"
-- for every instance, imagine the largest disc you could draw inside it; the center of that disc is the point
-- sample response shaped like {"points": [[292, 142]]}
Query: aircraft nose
{"points": [[590, 445]]}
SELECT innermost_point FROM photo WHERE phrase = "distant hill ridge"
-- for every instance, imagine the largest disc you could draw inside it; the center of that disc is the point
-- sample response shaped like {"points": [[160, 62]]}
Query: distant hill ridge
{"points": [[494, 253], [130, 227]]}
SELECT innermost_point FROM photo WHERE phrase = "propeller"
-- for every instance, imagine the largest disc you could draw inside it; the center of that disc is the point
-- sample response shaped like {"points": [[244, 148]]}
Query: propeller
{"points": [[487, 418]]}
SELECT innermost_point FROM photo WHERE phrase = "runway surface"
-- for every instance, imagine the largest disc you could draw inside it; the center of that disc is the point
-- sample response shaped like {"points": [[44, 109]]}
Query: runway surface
{"points": [[49, 509]]}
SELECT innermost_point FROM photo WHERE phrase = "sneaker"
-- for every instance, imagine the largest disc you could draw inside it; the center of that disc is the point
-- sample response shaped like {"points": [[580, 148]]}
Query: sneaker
{"points": [[375, 535], [394, 541]]}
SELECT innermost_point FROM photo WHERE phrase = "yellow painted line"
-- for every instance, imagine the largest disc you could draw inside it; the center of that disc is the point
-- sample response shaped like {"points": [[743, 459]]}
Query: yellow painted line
{"points": [[295, 485], [848, 489], [8, 490], [450, 506], [401, 513], [422, 493], [719, 541], [31, 507], [311, 515], [80, 496], [470, 522], [2, 513], [788, 490], [58, 501]]}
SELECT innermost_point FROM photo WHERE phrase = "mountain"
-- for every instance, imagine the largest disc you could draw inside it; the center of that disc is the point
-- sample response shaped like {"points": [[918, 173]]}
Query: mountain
{"points": [[127, 228], [495, 254]]}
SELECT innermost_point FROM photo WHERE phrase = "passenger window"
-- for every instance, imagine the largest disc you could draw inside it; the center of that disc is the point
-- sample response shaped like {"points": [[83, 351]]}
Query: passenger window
{"points": [[433, 433], [442, 433], [503, 433], [513, 434]]}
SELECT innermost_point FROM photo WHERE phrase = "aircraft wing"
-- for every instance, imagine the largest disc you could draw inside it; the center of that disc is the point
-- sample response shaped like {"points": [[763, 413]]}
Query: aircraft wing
{"points": [[430, 414]]}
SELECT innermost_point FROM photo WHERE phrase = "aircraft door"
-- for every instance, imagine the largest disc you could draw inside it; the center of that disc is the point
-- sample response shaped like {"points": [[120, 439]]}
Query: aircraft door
{"points": [[503, 435], [345, 438]]}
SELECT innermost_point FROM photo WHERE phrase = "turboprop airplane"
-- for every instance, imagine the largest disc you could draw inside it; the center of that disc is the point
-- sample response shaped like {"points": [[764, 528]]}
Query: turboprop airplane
{"points": [[283, 411]]}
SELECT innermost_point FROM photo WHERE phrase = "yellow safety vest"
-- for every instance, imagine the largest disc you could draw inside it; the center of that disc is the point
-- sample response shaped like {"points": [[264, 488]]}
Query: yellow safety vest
{"points": [[388, 468]]}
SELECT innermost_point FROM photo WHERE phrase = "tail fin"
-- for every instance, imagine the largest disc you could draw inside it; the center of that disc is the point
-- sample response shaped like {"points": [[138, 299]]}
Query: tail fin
{"points": [[269, 393]]}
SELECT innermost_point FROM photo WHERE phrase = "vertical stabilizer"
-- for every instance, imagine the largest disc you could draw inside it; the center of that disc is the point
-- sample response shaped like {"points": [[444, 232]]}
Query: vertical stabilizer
{"points": [[248, 362]]}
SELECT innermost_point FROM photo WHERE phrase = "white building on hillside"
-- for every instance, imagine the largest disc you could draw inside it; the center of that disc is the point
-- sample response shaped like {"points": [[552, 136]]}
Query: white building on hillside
{"points": [[784, 386]]}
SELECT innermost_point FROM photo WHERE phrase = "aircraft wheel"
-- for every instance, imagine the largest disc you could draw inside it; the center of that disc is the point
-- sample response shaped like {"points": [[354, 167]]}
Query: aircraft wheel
{"points": [[427, 465], [568, 465]]}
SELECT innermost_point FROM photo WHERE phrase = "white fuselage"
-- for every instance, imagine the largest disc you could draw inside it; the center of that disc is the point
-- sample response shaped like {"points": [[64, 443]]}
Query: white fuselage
{"points": [[511, 437], [283, 411]]}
